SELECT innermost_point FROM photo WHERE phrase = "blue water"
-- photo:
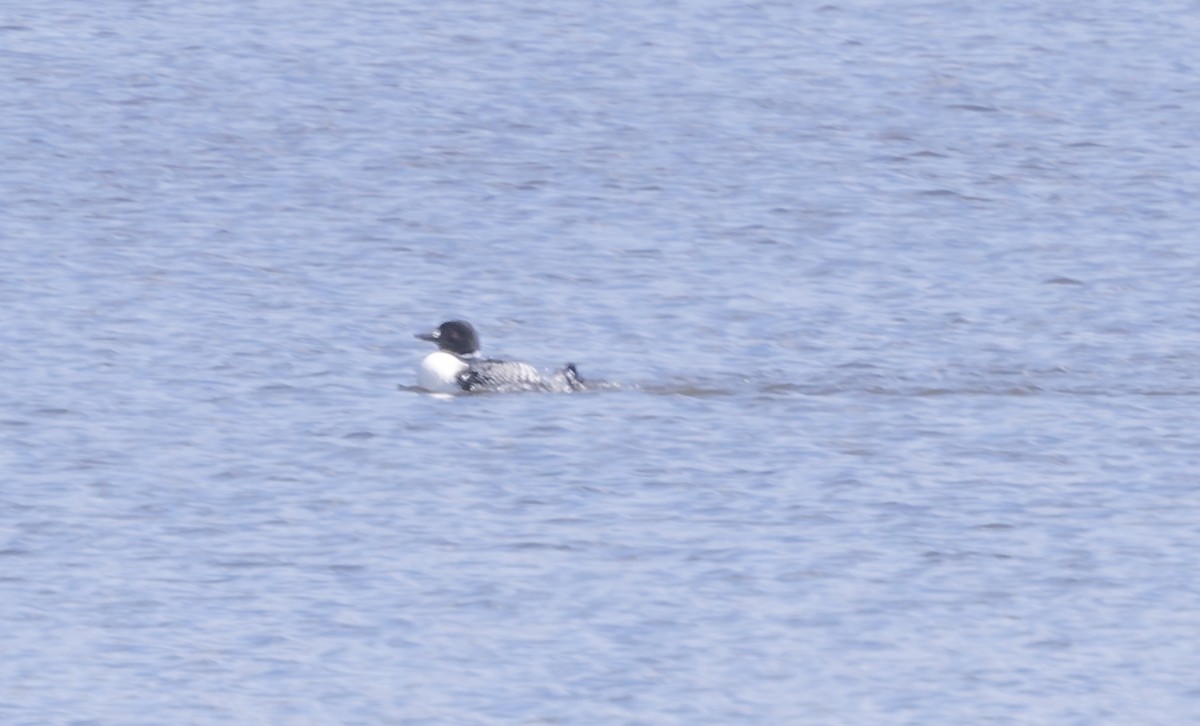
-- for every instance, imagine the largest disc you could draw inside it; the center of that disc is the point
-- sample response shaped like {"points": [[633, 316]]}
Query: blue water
{"points": [[897, 303]]}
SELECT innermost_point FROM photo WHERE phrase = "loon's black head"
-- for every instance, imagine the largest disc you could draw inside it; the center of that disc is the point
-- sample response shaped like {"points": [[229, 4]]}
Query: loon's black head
{"points": [[454, 336]]}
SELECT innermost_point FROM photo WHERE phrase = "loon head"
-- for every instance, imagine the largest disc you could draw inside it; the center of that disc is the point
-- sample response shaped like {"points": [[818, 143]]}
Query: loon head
{"points": [[454, 336]]}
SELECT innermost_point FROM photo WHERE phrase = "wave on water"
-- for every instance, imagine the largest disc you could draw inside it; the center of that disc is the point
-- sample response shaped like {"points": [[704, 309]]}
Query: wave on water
{"points": [[877, 381]]}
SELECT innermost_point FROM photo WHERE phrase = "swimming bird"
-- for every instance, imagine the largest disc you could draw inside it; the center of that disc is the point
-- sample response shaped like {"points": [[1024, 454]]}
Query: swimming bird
{"points": [[456, 366]]}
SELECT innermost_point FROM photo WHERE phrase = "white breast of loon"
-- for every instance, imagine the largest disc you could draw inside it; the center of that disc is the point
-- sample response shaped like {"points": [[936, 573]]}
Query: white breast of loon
{"points": [[439, 372]]}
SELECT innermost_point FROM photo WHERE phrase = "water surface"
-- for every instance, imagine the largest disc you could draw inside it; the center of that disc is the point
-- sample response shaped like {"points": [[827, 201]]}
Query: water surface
{"points": [[897, 302]]}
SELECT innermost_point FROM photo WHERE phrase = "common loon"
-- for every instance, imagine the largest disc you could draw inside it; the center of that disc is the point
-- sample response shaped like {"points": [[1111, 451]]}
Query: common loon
{"points": [[456, 366]]}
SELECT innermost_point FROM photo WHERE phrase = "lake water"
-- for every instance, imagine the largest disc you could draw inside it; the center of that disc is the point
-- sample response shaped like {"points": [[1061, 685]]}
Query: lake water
{"points": [[897, 303]]}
